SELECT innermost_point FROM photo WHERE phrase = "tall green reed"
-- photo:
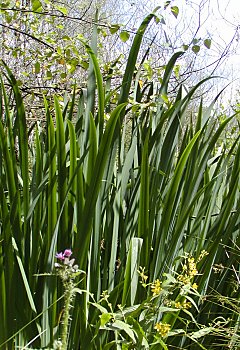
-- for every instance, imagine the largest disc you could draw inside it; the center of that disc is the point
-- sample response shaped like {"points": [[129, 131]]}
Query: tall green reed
{"points": [[137, 188]]}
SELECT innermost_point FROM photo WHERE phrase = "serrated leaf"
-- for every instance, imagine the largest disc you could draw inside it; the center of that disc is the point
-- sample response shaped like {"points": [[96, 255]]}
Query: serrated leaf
{"points": [[196, 48], [114, 28], [175, 11], [124, 36], [207, 43], [36, 6]]}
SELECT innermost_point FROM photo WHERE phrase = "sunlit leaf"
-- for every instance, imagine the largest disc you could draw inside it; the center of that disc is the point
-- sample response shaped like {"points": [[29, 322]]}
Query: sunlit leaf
{"points": [[105, 318], [124, 36], [36, 6], [62, 9], [175, 11], [114, 28]]}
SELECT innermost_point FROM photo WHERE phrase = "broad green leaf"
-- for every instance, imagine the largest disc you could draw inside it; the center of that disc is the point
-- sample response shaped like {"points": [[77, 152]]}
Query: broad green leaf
{"points": [[195, 48], [207, 43], [175, 11], [114, 28], [36, 5], [131, 274], [201, 333], [37, 67], [49, 74], [105, 318], [62, 9], [124, 36], [122, 326]]}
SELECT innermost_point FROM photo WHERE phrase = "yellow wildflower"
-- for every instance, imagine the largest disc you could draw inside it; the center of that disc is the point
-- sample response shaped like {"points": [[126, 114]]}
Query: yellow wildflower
{"points": [[141, 272], [185, 279], [195, 286], [178, 305], [156, 287], [162, 328], [202, 255], [186, 305]]}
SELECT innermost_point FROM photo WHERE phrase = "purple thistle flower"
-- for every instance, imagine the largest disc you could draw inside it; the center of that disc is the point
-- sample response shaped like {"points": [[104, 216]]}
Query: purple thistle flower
{"points": [[67, 253], [59, 256]]}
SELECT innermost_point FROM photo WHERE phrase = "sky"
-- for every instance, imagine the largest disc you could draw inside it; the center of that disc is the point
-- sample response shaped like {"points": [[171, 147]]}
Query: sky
{"points": [[219, 21], [223, 24]]}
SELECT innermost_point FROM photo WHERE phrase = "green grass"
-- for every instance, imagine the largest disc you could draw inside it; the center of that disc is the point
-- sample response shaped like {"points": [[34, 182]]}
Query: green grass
{"points": [[138, 188]]}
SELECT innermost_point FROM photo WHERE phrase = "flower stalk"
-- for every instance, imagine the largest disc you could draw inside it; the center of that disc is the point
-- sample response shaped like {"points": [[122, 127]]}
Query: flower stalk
{"points": [[67, 271]]}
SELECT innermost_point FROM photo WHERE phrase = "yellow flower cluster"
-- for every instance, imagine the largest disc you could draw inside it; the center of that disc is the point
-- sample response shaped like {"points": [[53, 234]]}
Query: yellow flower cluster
{"points": [[202, 255], [144, 277], [184, 305], [162, 328], [156, 287], [189, 270], [195, 286], [192, 267]]}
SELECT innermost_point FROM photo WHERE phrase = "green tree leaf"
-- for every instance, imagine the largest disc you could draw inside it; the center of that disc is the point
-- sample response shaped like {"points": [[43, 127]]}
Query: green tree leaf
{"points": [[207, 43], [166, 4], [37, 67], [36, 6], [62, 9], [114, 28], [196, 48], [49, 74], [195, 41], [124, 36], [105, 318], [175, 11]]}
